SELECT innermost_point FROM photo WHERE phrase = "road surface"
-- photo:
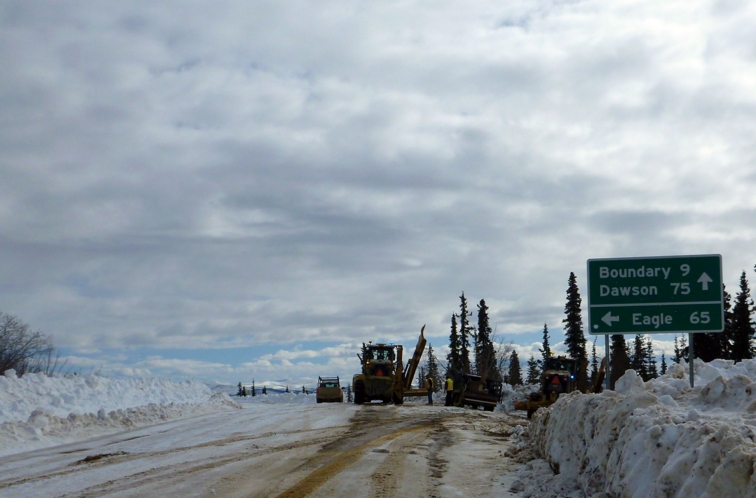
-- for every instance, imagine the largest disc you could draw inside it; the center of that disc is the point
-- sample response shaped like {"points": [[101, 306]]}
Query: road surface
{"points": [[318, 451]]}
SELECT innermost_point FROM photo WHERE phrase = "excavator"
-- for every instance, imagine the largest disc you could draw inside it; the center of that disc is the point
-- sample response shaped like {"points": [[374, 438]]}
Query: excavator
{"points": [[560, 376], [384, 376]]}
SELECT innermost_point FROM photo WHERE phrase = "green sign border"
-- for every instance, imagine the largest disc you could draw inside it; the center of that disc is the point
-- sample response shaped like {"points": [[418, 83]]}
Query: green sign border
{"points": [[658, 314]]}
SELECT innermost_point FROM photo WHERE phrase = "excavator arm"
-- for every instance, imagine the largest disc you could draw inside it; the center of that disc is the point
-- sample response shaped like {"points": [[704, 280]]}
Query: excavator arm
{"points": [[414, 362]]}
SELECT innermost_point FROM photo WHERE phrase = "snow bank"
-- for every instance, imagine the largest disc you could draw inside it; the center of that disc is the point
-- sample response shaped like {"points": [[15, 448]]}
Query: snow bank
{"points": [[512, 394], [660, 438], [39, 411]]}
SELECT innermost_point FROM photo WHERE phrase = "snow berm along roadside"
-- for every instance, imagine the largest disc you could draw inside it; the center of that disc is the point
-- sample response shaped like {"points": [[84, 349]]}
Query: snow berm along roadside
{"points": [[38, 411], [659, 438]]}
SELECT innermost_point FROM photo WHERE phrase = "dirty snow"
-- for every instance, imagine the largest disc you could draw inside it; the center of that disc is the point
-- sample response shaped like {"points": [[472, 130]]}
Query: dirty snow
{"points": [[659, 438]]}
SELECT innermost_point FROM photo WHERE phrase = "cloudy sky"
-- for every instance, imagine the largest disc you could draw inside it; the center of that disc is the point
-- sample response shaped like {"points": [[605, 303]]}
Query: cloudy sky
{"points": [[233, 190]]}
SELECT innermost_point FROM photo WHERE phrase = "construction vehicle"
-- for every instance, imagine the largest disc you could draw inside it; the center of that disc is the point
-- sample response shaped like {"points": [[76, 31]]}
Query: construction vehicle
{"points": [[560, 376], [329, 390], [475, 391], [384, 377]]}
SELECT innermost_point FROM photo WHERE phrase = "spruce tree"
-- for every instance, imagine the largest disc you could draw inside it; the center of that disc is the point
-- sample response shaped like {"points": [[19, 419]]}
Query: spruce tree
{"points": [[573, 321], [743, 326], [464, 334], [727, 337], [650, 359], [485, 354], [663, 364], [678, 353], [475, 348], [453, 361], [534, 373], [546, 350], [683, 348], [620, 360], [515, 376], [573, 330], [638, 359], [433, 368], [594, 362]]}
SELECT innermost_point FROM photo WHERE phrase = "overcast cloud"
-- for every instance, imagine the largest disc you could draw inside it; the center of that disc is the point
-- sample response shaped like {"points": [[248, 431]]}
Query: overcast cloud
{"points": [[289, 179]]}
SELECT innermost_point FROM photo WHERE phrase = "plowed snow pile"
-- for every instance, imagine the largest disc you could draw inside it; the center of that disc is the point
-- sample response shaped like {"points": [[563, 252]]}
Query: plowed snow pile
{"points": [[659, 438], [38, 411]]}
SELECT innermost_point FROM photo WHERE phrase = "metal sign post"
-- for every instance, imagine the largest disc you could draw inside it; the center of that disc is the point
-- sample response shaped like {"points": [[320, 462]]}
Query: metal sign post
{"points": [[691, 357], [608, 372]]}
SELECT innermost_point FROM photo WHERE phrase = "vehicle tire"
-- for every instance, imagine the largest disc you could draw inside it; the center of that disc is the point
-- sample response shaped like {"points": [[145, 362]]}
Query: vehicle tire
{"points": [[318, 400], [530, 413], [359, 393], [488, 408]]}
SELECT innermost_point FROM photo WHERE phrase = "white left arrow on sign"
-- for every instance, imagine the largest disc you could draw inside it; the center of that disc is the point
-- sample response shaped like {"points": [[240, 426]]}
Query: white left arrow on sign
{"points": [[608, 319]]}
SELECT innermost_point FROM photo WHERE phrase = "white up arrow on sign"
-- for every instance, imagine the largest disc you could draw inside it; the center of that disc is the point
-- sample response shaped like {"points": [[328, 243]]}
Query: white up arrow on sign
{"points": [[704, 280], [608, 319]]}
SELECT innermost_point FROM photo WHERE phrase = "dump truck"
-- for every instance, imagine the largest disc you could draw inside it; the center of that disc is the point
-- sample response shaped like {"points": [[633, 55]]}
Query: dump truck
{"points": [[384, 376], [560, 376], [475, 391]]}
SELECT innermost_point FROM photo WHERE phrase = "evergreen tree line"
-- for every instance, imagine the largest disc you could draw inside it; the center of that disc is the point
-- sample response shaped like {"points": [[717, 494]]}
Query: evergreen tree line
{"points": [[473, 348]]}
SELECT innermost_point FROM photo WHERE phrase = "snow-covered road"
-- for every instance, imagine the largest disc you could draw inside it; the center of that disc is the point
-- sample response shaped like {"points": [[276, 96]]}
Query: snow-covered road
{"points": [[283, 450]]}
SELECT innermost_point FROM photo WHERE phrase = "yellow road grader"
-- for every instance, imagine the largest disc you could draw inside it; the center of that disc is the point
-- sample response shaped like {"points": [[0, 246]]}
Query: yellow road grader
{"points": [[384, 376]]}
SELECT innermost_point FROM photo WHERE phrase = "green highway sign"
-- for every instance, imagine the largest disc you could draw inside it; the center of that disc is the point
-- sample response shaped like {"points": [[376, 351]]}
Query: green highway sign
{"points": [[667, 294]]}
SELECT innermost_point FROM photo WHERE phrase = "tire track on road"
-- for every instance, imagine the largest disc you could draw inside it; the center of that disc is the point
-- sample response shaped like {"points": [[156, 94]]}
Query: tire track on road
{"points": [[368, 431], [389, 477]]}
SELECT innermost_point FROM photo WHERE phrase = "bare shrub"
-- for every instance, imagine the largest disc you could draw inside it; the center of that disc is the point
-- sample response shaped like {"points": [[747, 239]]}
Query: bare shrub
{"points": [[23, 350]]}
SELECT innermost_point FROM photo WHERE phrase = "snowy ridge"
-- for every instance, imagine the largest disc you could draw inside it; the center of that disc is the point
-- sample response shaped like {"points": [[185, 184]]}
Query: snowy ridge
{"points": [[660, 438], [37, 411]]}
